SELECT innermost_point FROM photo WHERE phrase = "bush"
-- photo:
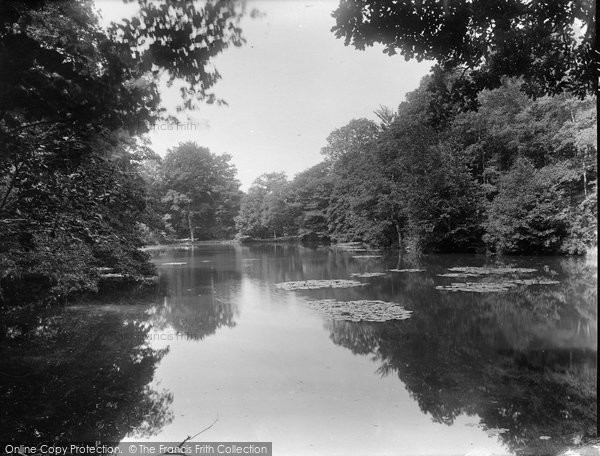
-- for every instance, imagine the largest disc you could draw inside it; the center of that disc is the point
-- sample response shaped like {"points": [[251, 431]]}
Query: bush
{"points": [[55, 269]]}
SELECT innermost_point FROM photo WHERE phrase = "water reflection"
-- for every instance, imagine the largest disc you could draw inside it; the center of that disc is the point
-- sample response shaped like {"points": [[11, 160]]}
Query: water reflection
{"points": [[519, 365], [80, 373], [196, 293], [523, 362]]}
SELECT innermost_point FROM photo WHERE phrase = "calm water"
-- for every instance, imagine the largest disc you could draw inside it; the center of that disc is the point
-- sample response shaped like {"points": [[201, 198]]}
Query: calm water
{"points": [[502, 373]]}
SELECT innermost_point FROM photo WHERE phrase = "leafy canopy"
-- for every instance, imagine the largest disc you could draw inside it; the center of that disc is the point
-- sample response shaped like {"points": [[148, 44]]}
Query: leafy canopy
{"points": [[549, 43]]}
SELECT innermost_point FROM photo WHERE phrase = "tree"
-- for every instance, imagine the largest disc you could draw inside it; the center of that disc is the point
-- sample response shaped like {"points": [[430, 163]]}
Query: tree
{"points": [[153, 227], [530, 212], [265, 210], [347, 152], [434, 178], [309, 194], [553, 133], [202, 191], [350, 138], [74, 98], [549, 44], [179, 39]]}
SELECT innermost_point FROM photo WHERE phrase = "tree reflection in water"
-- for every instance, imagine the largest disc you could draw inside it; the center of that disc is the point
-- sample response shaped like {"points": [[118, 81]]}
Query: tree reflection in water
{"points": [[197, 301], [83, 372], [80, 374], [524, 362]]}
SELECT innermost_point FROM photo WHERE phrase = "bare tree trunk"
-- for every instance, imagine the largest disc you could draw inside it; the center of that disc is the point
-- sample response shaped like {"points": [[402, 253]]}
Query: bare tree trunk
{"points": [[399, 233], [584, 174], [190, 226]]}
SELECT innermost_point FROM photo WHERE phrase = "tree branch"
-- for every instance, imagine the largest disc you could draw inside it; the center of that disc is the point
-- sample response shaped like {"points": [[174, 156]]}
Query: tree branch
{"points": [[188, 438]]}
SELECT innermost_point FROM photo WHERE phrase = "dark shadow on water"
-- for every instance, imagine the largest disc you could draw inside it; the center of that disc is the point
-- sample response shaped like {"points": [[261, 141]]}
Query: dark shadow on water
{"points": [[76, 375]]}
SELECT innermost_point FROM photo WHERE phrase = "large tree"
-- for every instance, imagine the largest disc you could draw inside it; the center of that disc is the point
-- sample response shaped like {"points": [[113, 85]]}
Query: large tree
{"points": [[309, 194], [202, 191], [549, 43]]}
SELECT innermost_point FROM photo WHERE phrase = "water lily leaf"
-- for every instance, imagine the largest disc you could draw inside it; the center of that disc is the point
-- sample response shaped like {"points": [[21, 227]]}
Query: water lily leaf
{"points": [[407, 270], [363, 310], [316, 284], [368, 274]]}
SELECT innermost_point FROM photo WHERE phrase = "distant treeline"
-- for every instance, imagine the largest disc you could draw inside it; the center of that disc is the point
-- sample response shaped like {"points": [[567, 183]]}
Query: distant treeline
{"points": [[516, 176]]}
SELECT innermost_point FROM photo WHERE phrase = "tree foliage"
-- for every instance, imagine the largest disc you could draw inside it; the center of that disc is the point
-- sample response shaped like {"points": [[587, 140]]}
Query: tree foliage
{"points": [[75, 99], [549, 44], [265, 211], [518, 175], [530, 211], [201, 190]]}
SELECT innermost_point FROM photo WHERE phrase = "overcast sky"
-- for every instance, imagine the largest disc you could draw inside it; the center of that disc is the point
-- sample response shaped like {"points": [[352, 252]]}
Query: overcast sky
{"points": [[287, 89]]}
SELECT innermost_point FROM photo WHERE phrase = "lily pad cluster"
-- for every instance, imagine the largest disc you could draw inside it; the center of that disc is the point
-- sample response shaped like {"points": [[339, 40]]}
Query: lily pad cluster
{"points": [[362, 310], [407, 270], [499, 286], [473, 271], [495, 287], [366, 275], [317, 284]]}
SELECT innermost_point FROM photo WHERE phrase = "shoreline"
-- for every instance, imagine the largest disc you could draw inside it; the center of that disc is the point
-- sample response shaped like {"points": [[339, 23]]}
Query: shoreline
{"points": [[151, 247]]}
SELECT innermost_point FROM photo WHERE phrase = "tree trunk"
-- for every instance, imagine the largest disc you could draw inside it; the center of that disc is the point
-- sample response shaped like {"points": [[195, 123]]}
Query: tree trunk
{"points": [[191, 228], [399, 233], [584, 174]]}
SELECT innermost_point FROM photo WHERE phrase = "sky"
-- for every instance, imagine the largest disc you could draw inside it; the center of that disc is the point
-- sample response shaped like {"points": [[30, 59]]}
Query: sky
{"points": [[291, 85]]}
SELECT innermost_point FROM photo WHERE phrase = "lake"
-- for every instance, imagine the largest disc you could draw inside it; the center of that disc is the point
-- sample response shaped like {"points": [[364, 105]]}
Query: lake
{"points": [[509, 371]]}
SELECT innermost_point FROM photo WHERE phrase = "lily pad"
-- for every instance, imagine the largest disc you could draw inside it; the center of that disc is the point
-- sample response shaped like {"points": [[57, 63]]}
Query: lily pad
{"points": [[365, 275], [536, 281], [407, 270], [174, 264], [316, 284], [478, 287], [494, 287], [488, 271], [458, 274], [363, 310]]}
